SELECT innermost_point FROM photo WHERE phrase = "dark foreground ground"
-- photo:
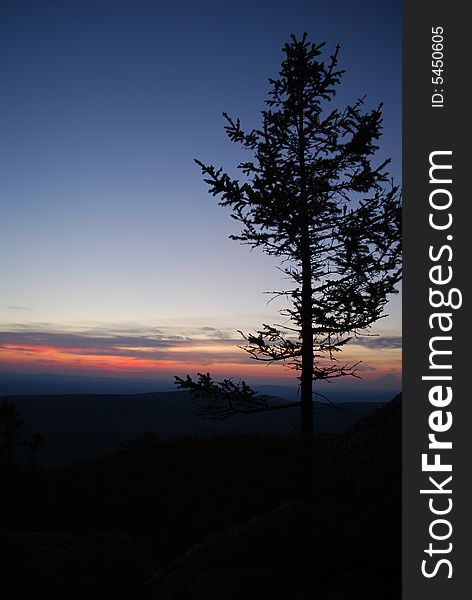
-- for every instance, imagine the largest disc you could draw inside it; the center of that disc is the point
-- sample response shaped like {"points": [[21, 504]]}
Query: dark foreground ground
{"points": [[211, 519]]}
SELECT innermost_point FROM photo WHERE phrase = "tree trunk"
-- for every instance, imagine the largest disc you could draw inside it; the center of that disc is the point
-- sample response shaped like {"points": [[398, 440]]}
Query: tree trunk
{"points": [[306, 314], [306, 386]]}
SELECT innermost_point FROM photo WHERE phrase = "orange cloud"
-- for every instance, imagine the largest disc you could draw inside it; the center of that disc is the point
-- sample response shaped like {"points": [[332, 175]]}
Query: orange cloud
{"points": [[160, 354], [220, 360]]}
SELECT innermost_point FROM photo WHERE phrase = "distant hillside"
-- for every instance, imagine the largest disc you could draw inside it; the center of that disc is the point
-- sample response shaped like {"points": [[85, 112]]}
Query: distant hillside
{"points": [[45, 384], [52, 383], [78, 426]]}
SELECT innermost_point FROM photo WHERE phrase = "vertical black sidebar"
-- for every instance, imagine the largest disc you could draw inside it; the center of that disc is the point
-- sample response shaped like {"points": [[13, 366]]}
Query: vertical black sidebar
{"points": [[437, 401]]}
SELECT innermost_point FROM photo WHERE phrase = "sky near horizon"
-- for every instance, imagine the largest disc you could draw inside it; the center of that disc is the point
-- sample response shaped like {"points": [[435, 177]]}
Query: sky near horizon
{"points": [[114, 257]]}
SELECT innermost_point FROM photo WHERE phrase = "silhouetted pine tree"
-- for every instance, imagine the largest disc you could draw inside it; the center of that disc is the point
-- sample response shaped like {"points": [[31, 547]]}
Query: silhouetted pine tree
{"points": [[312, 196]]}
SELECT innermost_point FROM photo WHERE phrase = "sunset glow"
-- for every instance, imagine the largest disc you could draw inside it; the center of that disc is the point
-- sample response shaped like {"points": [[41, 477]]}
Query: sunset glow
{"points": [[167, 355], [117, 260]]}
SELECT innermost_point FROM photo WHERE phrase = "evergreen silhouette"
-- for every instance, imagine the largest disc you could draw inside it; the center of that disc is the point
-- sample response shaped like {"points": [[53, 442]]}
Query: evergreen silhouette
{"points": [[313, 197]]}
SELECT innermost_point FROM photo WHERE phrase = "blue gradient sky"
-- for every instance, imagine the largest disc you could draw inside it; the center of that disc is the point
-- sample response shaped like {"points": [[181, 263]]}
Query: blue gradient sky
{"points": [[105, 222]]}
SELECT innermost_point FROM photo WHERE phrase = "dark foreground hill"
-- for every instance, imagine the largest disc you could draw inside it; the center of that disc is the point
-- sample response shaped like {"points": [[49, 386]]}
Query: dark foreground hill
{"points": [[79, 426], [212, 519]]}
